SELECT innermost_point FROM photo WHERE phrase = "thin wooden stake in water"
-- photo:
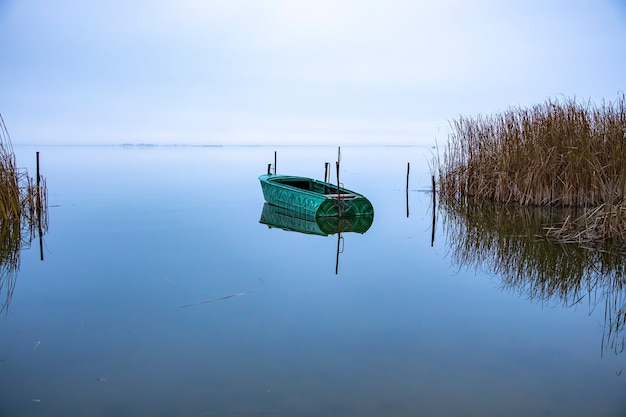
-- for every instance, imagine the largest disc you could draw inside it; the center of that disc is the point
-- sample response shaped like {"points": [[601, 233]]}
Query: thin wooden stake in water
{"points": [[408, 169], [274, 162], [338, 192], [339, 203], [38, 196], [269, 169], [326, 171], [37, 157], [432, 238], [432, 177]]}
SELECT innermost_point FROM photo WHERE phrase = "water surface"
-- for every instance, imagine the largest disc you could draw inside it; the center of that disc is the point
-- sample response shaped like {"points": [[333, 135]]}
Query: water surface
{"points": [[161, 293]]}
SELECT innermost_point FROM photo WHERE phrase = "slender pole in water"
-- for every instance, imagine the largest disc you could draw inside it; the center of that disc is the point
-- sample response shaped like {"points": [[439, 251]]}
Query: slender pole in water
{"points": [[37, 157], [38, 201], [326, 169], [433, 183], [338, 192], [432, 238], [274, 162], [339, 203], [408, 169], [269, 169], [38, 183]]}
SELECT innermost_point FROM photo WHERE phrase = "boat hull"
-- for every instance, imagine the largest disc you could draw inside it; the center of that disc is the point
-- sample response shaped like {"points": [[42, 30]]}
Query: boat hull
{"points": [[283, 218], [313, 198]]}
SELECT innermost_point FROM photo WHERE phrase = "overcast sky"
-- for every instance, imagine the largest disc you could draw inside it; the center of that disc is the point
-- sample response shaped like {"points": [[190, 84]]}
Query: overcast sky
{"points": [[335, 72]]}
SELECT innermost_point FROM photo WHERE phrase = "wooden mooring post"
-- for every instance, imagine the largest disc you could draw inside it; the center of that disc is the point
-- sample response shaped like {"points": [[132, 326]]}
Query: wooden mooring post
{"points": [[339, 202], [432, 177], [408, 170], [432, 238], [37, 158]]}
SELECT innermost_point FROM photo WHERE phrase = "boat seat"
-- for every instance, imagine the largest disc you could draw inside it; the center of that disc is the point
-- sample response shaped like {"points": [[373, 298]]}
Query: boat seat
{"points": [[343, 196]]}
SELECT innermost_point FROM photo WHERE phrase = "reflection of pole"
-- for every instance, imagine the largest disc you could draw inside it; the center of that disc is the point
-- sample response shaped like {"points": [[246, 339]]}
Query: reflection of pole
{"points": [[407, 203], [337, 259], [432, 238], [339, 246], [39, 209], [40, 244], [408, 169]]}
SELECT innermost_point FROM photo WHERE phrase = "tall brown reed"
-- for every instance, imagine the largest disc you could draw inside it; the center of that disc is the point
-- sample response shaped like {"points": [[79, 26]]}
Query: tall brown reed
{"points": [[23, 213], [558, 153]]}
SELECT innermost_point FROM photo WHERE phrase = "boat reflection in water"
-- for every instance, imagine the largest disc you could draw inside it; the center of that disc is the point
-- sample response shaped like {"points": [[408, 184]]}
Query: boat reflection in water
{"points": [[297, 221], [509, 241]]}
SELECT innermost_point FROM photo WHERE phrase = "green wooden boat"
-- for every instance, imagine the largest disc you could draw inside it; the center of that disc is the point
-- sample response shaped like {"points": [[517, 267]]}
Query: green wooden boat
{"points": [[294, 221], [313, 198]]}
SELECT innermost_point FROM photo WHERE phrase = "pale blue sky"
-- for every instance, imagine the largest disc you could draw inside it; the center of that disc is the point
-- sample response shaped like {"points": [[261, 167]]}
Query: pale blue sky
{"points": [[335, 72]]}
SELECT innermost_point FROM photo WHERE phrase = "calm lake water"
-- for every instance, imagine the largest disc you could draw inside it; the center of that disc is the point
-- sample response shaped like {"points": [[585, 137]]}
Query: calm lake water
{"points": [[129, 313]]}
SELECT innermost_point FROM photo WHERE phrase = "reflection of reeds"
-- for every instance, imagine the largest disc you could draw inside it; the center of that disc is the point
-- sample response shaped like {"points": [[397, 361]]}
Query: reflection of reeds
{"points": [[10, 244], [508, 241], [23, 213], [552, 154]]}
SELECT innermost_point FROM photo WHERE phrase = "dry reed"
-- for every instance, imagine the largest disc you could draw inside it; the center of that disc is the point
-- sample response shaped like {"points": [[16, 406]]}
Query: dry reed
{"points": [[23, 213], [603, 226], [558, 153]]}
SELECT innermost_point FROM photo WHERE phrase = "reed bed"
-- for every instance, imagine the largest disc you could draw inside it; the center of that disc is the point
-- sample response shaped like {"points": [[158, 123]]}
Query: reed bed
{"points": [[561, 153], [600, 228], [23, 214]]}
